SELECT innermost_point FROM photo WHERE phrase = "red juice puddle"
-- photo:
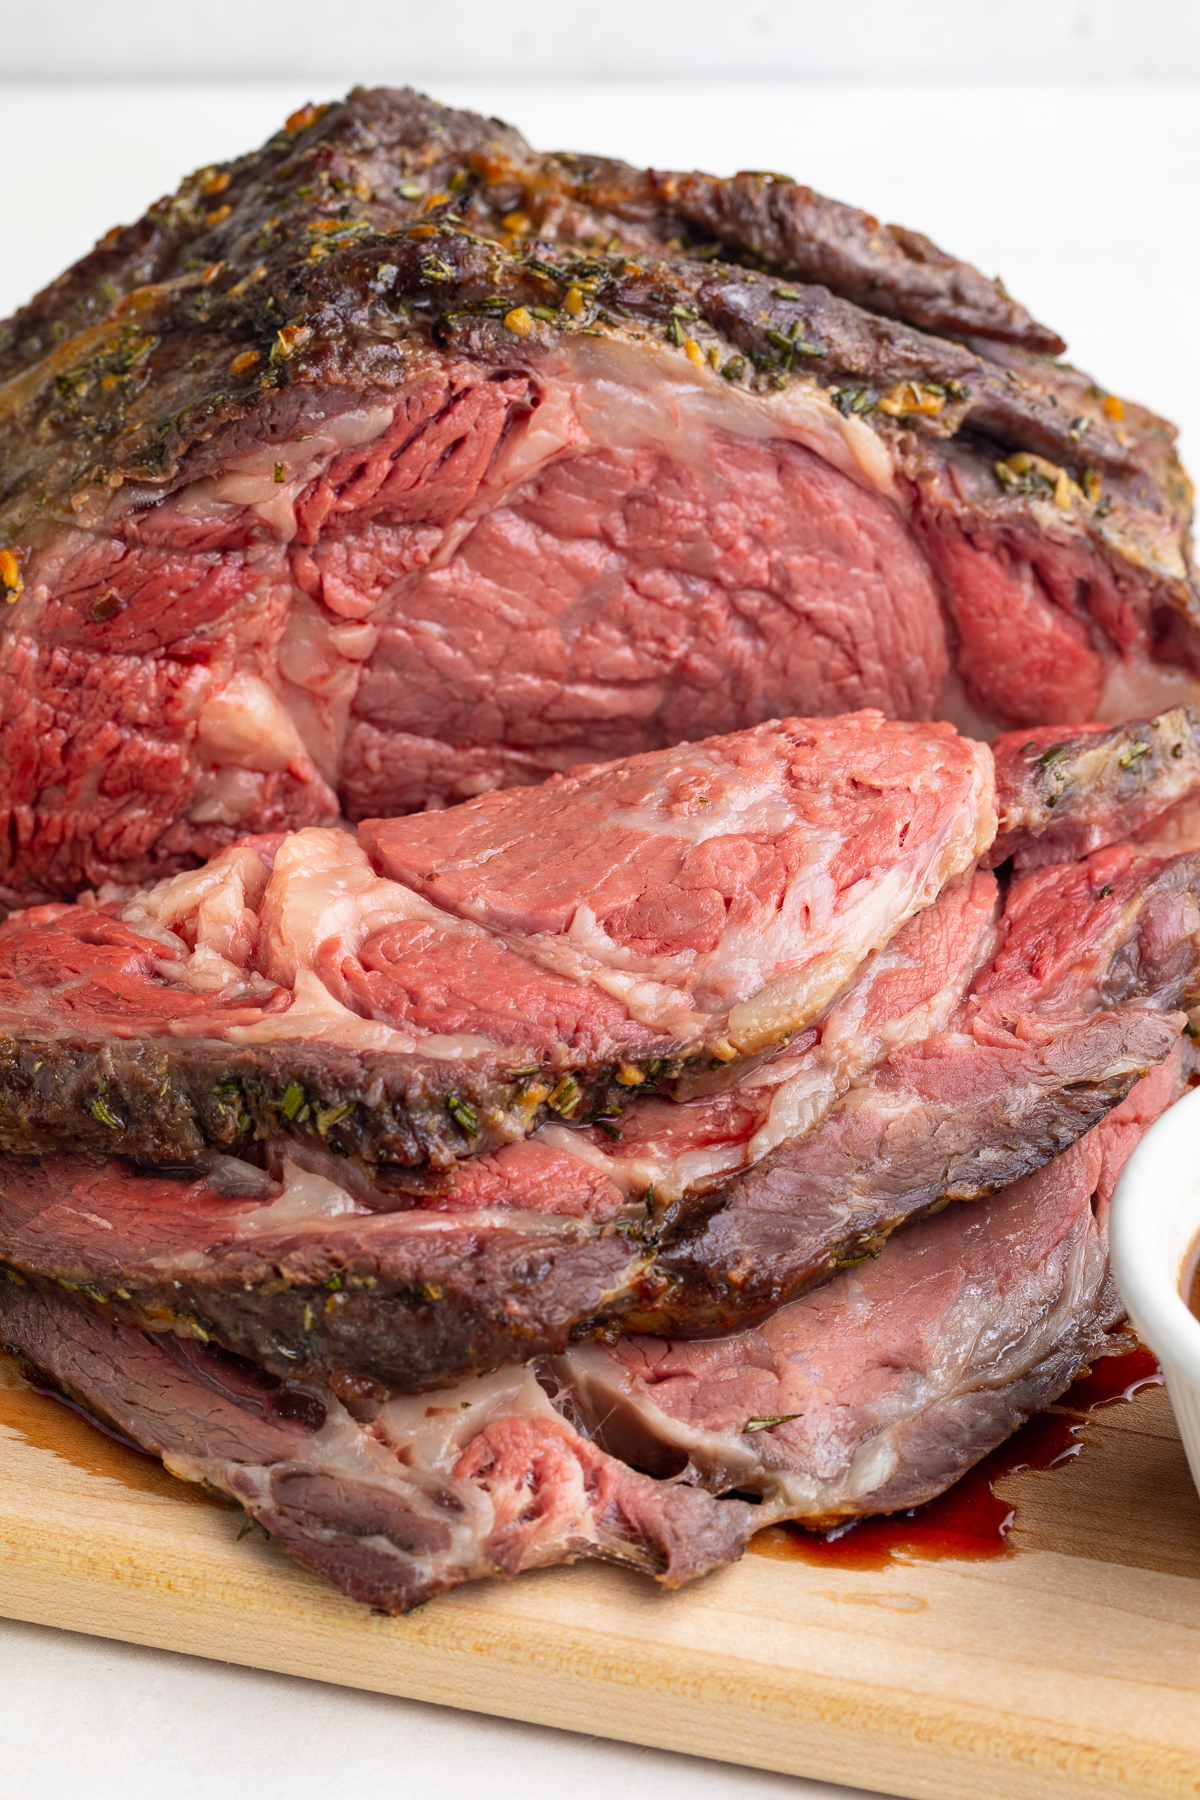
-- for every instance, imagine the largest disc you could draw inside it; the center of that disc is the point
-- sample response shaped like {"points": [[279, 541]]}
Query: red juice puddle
{"points": [[968, 1522], [1114, 1378]]}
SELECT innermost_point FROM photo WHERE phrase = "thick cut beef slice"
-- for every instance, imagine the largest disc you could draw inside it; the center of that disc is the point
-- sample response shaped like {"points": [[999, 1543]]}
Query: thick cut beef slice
{"points": [[322, 484], [509, 1253], [879, 1390], [301, 1274], [1080, 1001], [1061, 795], [672, 1147], [872, 1395], [480, 1481], [961, 1089], [724, 890], [443, 984], [155, 1041]]}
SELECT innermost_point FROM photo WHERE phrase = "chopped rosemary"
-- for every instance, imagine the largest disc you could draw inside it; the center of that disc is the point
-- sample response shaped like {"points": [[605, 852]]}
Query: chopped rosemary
{"points": [[463, 1114], [853, 400], [766, 1422], [333, 1115], [565, 1097], [293, 1100]]}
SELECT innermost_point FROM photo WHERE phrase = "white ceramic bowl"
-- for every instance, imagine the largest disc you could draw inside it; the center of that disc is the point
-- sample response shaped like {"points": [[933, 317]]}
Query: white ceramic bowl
{"points": [[1154, 1224]]}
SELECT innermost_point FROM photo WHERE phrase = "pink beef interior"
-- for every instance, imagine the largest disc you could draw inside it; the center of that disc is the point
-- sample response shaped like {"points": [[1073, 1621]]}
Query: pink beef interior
{"points": [[443, 596], [417, 612], [722, 892], [716, 869], [878, 1390]]}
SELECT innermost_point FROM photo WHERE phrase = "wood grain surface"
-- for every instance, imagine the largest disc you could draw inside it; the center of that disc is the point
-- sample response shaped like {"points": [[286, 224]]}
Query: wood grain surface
{"points": [[1071, 1667]]}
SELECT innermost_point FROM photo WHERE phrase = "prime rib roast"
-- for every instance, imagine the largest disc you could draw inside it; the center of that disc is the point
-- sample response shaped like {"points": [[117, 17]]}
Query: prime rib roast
{"points": [[552, 1175], [396, 463], [536, 1021]]}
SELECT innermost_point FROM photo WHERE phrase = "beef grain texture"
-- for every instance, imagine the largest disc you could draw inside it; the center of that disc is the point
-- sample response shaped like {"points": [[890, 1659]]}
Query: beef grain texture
{"points": [[880, 1389], [394, 463], [530, 954]]}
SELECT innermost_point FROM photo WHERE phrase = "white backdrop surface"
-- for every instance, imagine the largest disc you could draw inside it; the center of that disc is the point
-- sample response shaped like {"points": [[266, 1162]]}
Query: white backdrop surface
{"points": [[661, 38], [1081, 193]]}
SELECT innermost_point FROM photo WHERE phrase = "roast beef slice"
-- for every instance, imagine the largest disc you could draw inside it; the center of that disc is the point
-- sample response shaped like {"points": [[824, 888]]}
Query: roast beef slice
{"points": [[446, 983], [480, 1481], [1078, 1003], [873, 1394], [1063, 794], [878, 1390]]}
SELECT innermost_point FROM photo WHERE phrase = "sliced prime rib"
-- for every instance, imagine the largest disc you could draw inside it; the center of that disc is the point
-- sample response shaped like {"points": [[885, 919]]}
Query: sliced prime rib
{"points": [[1081, 999], [392, 464], [877, 1391], [444, 983], [873, 1394], [421, 1496], [449, 982], [974, 1050]]}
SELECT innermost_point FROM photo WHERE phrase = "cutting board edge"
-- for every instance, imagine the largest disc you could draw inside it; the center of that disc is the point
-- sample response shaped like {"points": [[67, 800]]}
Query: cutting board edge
{"points": [[832, 1730]]}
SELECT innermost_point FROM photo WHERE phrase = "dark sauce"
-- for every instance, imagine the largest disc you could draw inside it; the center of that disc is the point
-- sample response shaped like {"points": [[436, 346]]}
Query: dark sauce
{"points": [[968, 1521]]}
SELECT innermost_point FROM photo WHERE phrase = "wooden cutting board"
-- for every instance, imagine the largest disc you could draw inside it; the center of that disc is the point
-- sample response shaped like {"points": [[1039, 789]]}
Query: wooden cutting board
{"points": [[1071, 1667]]}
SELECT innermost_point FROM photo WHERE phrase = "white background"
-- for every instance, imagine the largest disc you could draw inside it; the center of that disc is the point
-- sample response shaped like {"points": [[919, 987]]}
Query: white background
{"points": [[578, 38], [1027, 140]]}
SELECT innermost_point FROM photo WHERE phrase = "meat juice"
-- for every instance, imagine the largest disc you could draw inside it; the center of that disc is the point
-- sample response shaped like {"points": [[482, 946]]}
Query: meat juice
{"points": [[45, 1418], [969, 1521]]}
